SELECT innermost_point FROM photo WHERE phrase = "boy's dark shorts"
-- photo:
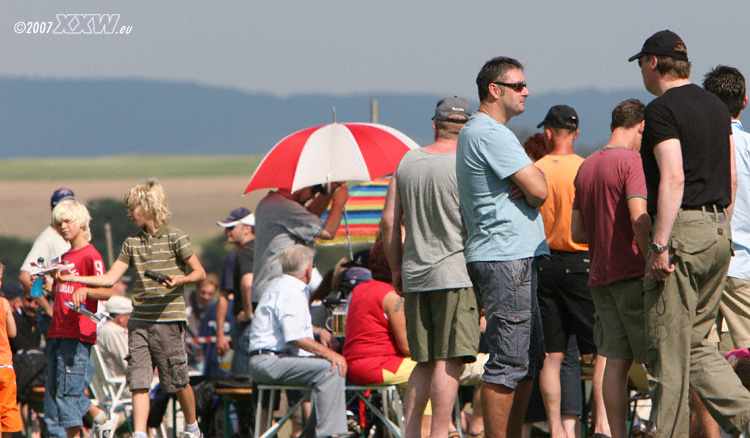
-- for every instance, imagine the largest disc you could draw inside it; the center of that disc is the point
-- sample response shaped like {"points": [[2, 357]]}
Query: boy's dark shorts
{"points": [[160, 345]]}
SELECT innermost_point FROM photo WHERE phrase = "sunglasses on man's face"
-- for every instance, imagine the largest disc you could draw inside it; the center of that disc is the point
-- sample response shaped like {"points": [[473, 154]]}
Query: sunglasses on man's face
{"points": [[516, 86]]}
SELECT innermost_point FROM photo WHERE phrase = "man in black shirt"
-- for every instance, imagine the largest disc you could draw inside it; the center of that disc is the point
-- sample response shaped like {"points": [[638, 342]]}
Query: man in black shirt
{"points": [[687, 159], [239, 227]]}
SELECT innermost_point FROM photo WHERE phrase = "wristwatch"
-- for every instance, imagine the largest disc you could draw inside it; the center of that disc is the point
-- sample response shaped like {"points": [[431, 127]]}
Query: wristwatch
{"points": [[655, 247]]}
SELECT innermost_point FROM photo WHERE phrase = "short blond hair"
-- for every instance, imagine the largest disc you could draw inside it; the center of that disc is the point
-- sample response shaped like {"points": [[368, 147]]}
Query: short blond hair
{"points": [[150, 195], [70, 210]]}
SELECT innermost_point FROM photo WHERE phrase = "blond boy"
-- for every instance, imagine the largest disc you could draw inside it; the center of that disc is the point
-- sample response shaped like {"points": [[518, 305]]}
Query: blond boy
{"points": [[71, 334]]}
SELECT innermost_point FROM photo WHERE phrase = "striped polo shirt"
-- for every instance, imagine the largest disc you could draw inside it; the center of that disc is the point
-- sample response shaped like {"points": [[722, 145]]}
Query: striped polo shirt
{"points": [[165, 252]]}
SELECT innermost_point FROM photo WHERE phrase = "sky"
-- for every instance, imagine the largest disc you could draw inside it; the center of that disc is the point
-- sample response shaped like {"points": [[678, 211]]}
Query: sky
{"points": [[286, 48]]}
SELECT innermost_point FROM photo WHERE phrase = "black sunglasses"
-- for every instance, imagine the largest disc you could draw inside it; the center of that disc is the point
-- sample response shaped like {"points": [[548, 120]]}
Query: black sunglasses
{"points": [[517, 86]]}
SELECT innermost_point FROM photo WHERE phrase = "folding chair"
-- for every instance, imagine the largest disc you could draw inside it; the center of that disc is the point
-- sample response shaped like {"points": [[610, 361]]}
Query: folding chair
{"points": [[391, 400], [107, 389], [273, 391]]}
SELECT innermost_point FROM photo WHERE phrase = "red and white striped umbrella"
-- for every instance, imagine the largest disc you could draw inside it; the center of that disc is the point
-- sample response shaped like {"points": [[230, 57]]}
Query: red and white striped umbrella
{"points": [[331, 153]]}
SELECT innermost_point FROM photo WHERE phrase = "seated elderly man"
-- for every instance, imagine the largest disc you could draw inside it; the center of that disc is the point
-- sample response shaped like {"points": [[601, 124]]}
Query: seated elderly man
{"points": [[283, 349], [112, 335]]}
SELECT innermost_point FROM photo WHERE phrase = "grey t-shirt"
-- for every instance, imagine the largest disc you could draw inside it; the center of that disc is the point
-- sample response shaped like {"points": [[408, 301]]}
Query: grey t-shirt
{"points": [[279, 224], [433, 249]]}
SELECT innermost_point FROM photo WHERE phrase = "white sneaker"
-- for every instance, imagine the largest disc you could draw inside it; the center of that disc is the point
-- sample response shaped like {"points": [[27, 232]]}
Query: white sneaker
{"points": [[187, 434]]}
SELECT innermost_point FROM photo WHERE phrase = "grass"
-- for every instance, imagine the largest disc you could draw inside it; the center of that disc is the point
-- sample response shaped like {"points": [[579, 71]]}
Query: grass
{"points": [[127, 167]]}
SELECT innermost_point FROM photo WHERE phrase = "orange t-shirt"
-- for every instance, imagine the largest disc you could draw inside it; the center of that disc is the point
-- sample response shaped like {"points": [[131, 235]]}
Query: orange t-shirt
{"points": [[560, 171], [6, 356]]}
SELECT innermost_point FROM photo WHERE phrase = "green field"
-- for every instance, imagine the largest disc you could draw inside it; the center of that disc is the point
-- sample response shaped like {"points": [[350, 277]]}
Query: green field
{"points": [[129, 167]]}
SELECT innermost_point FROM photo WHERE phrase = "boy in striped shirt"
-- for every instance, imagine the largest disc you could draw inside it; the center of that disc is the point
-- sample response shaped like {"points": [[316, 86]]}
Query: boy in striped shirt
{"points": [[156, 330]]}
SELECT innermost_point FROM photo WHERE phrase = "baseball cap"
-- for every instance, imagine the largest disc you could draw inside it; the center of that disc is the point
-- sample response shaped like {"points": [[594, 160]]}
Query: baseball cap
{"points": [[236, 216], [11, 290], [119, 305], [663, 43], [248, 220], [59, 195], [452, 106], [560, 116], [352, 277]]}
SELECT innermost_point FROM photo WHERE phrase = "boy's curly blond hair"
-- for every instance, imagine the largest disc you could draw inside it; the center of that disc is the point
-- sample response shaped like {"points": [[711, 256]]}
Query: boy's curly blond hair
{"points": [[151, 197]]}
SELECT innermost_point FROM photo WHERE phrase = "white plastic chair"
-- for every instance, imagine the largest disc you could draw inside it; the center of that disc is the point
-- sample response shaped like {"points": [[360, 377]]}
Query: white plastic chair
{"points": [[108, 390]]}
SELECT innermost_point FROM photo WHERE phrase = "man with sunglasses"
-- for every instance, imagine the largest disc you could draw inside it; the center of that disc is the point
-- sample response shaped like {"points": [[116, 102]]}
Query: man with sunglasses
{"points": [[500, 191], [687, 154]]}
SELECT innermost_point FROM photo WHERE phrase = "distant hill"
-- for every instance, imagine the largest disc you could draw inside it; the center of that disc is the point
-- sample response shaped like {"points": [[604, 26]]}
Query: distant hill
{"points": [[53, 118]]}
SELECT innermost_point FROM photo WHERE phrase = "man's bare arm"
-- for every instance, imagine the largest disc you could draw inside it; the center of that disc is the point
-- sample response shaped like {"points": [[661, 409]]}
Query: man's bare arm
{"points": [[25, 279], [334, 216], [246, 288], [532, 184], [668, 155], [392, 241], [222, 306], [577, 230], [640, 222], [733, 176]]}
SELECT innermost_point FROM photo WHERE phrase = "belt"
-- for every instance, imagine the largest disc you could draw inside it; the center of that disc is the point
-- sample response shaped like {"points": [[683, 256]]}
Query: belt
{"points": [[262, 351], [708, 208]]}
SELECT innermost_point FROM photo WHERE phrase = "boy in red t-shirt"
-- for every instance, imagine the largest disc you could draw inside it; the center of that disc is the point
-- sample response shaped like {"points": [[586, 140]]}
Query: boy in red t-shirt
{"points": [[71, 334]]}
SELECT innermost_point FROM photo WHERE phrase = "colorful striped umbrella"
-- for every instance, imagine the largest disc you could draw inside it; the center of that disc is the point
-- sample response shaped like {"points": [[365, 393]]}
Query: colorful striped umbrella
{"points": [[363, 210]]}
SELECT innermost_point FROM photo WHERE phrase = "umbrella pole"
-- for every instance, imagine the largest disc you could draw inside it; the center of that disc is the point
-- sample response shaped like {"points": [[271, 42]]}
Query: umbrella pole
{"points": [[348, 237]]}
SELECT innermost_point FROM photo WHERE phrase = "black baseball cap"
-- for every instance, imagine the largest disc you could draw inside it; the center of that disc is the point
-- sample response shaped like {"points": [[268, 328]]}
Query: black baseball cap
{"points": [[560, 116], [663, 43]]}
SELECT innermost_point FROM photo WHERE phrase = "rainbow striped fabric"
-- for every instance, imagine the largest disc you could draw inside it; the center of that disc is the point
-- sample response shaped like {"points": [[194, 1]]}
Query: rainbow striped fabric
{"points": [[363, 210]]}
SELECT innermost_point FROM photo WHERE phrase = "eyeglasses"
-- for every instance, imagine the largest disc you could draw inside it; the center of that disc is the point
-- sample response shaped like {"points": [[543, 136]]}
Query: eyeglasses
{"points": [[517, 86]]}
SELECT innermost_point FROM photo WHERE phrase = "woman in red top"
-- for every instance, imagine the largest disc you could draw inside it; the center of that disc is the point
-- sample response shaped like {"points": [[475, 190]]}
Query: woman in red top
{"points": [[376, 349]]}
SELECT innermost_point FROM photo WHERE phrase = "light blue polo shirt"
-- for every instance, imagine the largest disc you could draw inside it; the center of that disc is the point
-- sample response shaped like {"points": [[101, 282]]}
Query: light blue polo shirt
{"points": [[739, 267], [499, 228]]}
